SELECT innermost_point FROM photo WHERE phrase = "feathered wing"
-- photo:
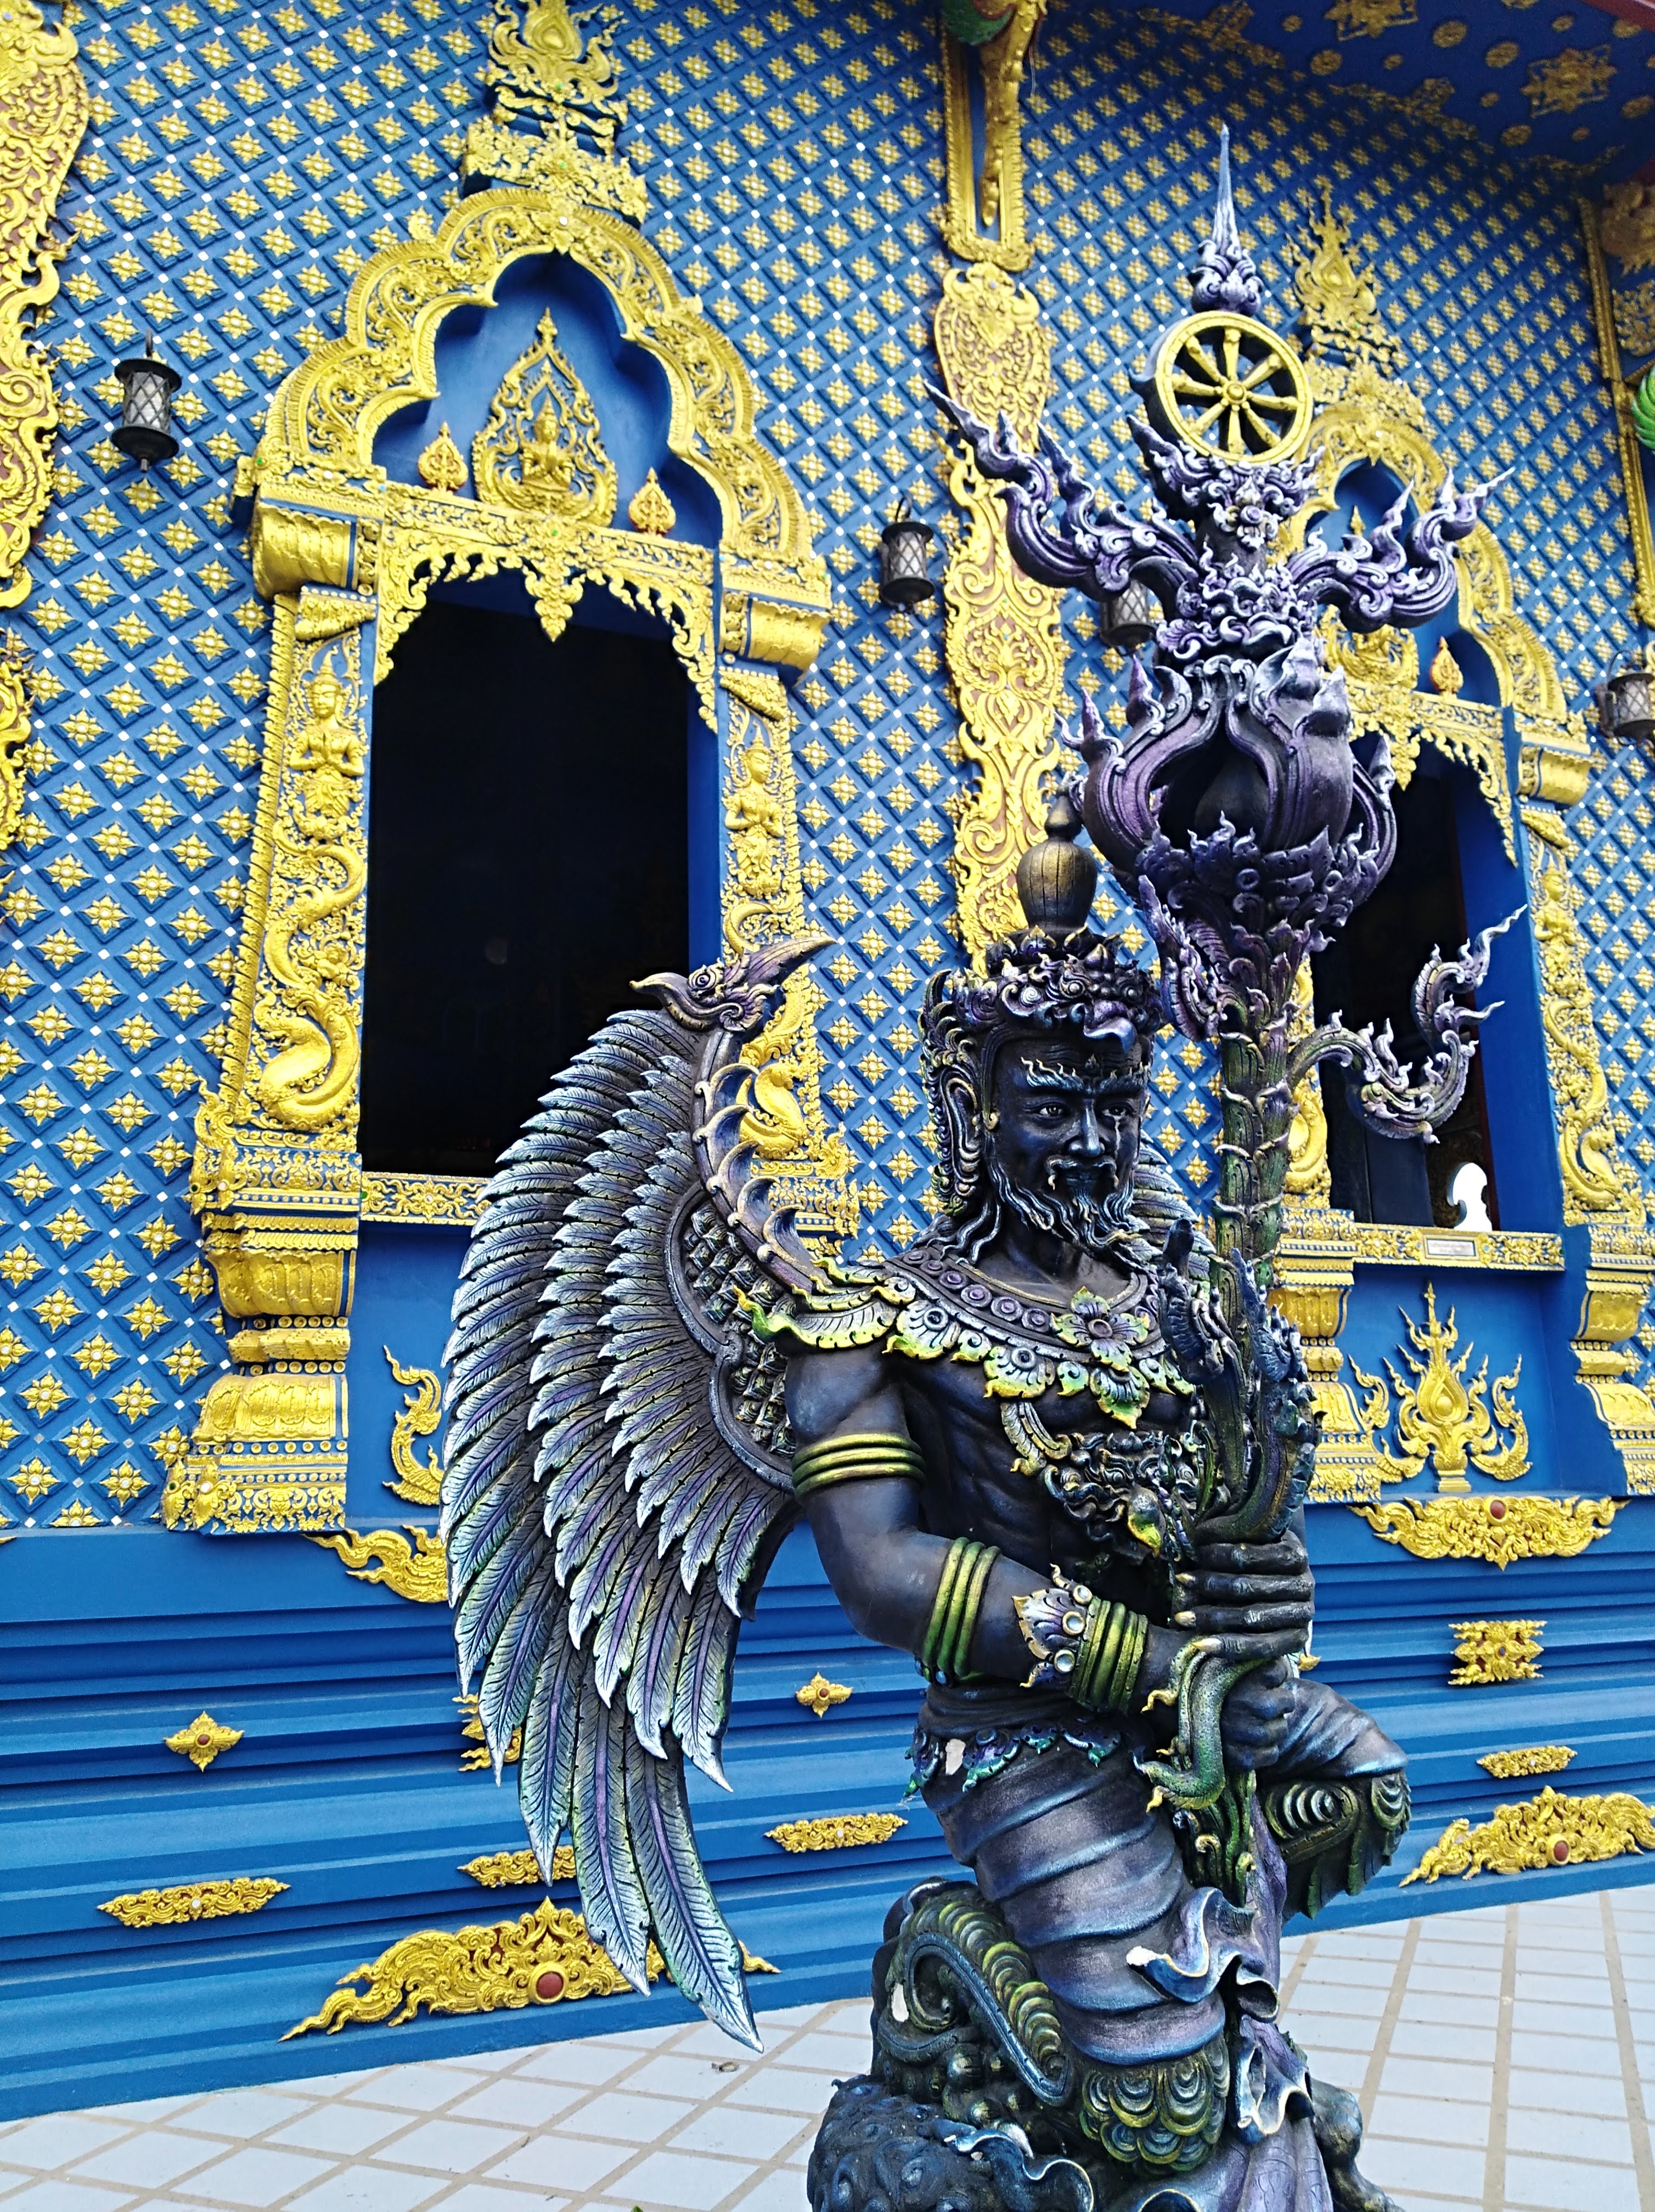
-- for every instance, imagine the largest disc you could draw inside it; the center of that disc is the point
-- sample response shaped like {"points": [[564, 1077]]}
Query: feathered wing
{"points": [[616, 1473]]}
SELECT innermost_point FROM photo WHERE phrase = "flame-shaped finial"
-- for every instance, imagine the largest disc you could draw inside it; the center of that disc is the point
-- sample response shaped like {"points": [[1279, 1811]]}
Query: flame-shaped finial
{"points": [[1226, 278]]}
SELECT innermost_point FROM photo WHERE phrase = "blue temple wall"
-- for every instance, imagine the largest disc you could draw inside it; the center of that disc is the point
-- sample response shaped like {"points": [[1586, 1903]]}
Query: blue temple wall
{"points": [[244, 161]]}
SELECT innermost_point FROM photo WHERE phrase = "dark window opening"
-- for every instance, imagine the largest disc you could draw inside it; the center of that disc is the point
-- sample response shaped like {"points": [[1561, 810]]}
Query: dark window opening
{"points": [[528, 844], [1367, 976]]}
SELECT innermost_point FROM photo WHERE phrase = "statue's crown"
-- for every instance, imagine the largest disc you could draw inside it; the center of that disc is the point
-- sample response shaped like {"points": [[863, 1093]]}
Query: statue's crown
{"points": [[1058, 974]]}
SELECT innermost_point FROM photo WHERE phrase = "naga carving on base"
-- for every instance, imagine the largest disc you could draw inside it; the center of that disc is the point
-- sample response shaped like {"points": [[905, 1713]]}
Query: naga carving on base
{"points": [[1058, 1452]]}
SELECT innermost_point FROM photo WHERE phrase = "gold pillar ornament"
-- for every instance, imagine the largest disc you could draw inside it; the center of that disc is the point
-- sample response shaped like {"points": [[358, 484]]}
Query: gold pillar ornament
{"points": [[1002, 634], [983, 218], [44, 109], [350, 556]]}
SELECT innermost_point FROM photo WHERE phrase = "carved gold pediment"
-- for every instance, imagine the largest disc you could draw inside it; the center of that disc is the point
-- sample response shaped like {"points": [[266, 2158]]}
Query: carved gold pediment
{"points": [[350, 554]]}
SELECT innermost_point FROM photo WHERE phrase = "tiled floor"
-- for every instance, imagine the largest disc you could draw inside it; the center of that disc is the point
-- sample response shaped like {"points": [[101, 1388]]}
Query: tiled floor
{"points": [[1505, 2058]]}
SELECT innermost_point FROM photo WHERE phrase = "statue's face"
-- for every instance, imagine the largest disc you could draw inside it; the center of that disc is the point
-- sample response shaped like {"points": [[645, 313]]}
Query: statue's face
{"points": [[1062, 1138]]}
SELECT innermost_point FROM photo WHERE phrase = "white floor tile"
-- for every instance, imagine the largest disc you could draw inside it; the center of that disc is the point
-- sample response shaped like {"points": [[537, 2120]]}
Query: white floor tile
{"points": [[253, 2176], [58, 2139], [369, 2189], [680, 2183]]}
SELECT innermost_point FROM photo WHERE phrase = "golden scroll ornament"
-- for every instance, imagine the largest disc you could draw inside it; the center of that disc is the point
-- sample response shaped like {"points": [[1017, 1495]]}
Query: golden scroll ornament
{"points": [[202, 1741], [418, 1480], [1533, 1759], [545, 1958], [190, 1901], [1443, 1420], [418, 1571], [477, 1761], [650, 510], [1496, 1530], [514, 1869], [1491, 1651], [1549, 1830], [838, 1832]]}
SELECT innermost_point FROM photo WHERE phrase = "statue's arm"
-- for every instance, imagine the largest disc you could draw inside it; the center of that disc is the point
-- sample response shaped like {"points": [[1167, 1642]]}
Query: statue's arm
{"points": [[886, 1568]]}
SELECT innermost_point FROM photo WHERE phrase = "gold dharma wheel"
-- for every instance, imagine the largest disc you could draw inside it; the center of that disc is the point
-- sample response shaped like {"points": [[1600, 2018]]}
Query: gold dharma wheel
{"points": [[1232, 388]]}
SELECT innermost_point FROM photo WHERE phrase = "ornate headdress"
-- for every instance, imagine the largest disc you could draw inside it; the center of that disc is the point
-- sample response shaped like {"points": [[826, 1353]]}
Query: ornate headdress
{"points": [[1058, 978]]}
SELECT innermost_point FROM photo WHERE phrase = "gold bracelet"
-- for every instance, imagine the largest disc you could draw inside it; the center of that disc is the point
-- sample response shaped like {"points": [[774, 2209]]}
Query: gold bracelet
{"points": [[863, 1458]]}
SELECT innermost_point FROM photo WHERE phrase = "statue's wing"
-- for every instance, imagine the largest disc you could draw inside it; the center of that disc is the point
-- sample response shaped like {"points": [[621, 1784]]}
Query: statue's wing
{"points": [[616, 1474]]}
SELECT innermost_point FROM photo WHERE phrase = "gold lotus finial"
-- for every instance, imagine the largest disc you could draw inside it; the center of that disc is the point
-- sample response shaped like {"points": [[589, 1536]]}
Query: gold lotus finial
{"points": [[1446, 673], [649, 509], [442, 465]]}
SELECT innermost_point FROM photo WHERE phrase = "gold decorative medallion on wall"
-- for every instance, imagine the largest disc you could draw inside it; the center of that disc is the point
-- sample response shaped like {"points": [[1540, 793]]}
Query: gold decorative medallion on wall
{"points": [[1491, 1651], [202, 1741], [350, 557], [1550, 1830], [1497, 1530], [818, 1695]]}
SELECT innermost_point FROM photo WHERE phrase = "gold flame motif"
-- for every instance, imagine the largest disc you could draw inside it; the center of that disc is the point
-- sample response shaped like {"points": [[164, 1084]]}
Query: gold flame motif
{"points": [[1443, 1420]]}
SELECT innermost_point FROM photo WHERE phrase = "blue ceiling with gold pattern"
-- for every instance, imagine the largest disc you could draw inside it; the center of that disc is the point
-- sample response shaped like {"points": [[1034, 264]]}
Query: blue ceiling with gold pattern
{"points": [[1572, 82]]}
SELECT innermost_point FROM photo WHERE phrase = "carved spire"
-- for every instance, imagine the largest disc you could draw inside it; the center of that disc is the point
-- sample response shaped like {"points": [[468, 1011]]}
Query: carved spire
{"points": [[1225, 278]]}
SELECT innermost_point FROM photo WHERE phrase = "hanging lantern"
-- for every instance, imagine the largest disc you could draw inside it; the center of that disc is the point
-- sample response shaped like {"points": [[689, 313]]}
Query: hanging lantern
{"points": [[905, 559], [1129, 619], [144, 432], [1628, 701]]}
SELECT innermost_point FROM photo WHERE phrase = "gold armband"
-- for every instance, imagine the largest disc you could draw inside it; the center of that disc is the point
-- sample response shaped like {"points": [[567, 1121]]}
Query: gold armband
{"points": [[870, 1458], [1086, 1646], [946, 1649]]}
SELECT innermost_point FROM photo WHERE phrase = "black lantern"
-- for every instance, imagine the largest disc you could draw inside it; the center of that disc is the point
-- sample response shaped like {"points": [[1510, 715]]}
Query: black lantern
{"points": [[904, 560], [1129, 619], [145, 430], [1628, 701]]}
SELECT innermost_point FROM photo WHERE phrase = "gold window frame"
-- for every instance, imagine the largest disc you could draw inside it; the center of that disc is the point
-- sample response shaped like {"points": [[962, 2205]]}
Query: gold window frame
{"points": [[349, 556]]}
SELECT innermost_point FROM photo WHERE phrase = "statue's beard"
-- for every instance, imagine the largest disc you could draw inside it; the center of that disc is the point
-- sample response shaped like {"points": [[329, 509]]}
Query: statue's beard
{"points": [[1070, 1207]]}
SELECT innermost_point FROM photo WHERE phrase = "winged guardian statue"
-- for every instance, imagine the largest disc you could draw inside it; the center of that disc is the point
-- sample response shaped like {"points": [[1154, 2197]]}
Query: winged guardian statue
{"points": [[1057, 1452]]}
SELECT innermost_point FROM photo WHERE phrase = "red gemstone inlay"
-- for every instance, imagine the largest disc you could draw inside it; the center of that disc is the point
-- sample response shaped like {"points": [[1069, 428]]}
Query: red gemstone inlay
{"points": [[1496, 1509], [1560, 1849], [549, 1986]]}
